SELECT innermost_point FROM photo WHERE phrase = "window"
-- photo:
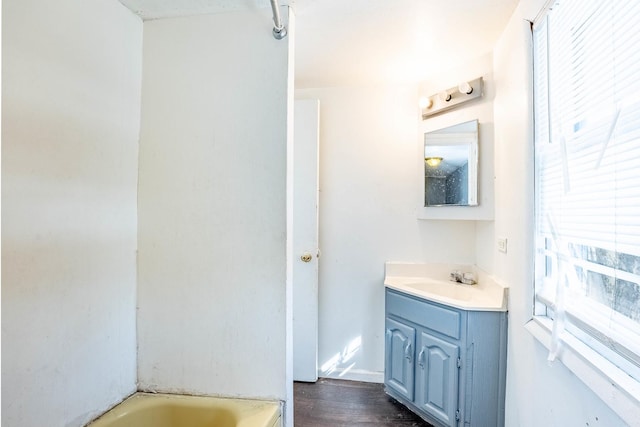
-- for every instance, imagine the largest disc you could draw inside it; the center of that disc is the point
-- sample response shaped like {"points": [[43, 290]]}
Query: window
{"points": [[587, 154]]}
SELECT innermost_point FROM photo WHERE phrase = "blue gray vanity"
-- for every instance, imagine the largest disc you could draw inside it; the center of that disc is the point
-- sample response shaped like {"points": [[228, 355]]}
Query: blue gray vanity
{"points": [[445, 344]]}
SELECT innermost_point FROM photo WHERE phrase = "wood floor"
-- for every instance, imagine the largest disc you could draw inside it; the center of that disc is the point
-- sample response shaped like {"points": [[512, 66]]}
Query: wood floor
{"points": [[338, 403]]}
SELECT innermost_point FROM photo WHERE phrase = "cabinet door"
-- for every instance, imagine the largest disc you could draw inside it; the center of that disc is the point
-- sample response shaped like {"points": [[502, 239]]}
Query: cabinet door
{"points": [[437, 378], [399, 357]]}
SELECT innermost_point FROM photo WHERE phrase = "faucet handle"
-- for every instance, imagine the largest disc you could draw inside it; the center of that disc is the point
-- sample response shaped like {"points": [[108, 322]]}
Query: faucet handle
{"points": [[469, 279], [455, 276]]}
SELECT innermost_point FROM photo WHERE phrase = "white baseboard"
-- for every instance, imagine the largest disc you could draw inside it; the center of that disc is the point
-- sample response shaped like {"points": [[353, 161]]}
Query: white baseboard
{"points": [[355, 375]]}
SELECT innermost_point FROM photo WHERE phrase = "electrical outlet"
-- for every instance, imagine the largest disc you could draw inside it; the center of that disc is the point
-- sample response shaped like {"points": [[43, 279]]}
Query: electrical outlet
{"points": [[502, 244]]}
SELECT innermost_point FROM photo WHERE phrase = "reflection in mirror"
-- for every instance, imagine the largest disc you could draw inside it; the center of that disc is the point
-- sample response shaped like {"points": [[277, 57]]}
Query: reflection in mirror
{"points": [[451, 166]]}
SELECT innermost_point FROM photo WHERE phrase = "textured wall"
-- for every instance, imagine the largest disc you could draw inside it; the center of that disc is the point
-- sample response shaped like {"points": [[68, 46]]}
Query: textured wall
{"points": [[70, 125], [212, 206]]}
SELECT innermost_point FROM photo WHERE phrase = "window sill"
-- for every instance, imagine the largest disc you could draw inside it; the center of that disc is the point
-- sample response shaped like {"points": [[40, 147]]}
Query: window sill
{"points": [[615, 387]]}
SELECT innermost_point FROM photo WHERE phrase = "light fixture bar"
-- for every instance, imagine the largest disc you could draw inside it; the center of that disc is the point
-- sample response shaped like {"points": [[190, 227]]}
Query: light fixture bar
{"points": [[452, 97]]}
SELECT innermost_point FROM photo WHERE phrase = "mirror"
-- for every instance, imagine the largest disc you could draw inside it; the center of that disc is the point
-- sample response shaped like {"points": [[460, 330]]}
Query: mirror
{"points": [[451, 166]]}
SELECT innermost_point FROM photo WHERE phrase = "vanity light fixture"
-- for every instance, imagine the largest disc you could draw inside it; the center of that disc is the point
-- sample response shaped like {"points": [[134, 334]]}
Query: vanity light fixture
{"points": [[433, 161], [451, 97]]}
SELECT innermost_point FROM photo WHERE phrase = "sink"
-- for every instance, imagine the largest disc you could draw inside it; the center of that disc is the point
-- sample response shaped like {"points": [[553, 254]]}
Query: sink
{"points": [[428, 281]]}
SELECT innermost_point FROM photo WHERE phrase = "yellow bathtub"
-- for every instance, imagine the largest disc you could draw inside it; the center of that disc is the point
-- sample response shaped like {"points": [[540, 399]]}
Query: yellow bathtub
{"points": [[168, 410]]}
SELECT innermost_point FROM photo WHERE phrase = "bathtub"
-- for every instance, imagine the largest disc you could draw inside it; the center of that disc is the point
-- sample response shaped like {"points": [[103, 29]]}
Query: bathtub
{"points": [[168, 410]]}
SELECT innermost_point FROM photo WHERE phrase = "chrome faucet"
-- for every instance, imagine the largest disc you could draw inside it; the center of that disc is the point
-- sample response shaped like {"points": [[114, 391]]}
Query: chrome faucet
{"points": [[460, 277]]}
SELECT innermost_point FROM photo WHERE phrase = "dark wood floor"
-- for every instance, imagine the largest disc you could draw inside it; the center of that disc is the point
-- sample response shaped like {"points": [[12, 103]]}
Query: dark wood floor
{"points": [[338, 403]]}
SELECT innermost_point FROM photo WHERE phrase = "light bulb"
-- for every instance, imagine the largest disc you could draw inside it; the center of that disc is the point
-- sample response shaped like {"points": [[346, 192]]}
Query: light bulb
{"points": [[425, 102], [445, 96], [465, 88]]}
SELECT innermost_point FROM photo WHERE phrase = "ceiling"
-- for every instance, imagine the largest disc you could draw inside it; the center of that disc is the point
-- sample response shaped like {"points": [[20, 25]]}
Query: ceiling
{"points": [[364, 42]]}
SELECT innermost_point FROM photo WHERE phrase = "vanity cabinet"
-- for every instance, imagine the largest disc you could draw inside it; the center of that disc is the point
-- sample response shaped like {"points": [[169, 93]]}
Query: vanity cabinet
{"points": [[446, 364]]}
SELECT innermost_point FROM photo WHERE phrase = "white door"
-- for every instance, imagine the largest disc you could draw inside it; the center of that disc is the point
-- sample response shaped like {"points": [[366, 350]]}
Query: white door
{"points": [[305, 240]]}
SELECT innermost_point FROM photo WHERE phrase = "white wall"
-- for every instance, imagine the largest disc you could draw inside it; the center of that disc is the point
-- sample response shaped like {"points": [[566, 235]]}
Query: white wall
{"points": [[71, 99], [483, 110], [480, 109], [212, 206], [537, 394], [370, 181]]}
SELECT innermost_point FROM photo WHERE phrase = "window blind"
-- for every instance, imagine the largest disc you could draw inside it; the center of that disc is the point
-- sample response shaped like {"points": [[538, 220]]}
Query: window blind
{"points": [[587, 155]]}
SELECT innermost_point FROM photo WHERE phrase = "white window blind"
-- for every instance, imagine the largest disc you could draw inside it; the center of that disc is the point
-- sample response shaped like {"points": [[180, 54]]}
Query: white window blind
{"points": [[587, 154]]}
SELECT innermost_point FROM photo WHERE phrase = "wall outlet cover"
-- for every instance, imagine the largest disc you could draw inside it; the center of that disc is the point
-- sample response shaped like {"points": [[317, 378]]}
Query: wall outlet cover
{"points": [[502, 244]]}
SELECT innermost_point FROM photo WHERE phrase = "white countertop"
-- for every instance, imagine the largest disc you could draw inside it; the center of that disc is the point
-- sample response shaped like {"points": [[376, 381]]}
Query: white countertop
{"points": [[430, 281]]}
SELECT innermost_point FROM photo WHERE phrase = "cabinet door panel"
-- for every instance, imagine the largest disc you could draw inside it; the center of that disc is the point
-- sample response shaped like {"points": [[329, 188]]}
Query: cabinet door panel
{"points": [[400, 351], [437, 378]]}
